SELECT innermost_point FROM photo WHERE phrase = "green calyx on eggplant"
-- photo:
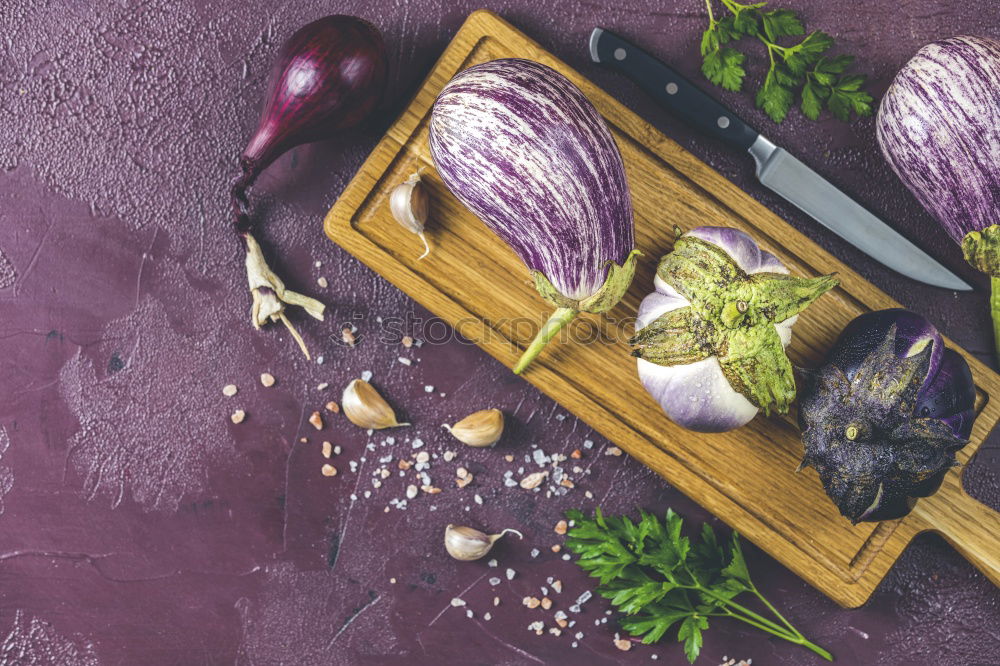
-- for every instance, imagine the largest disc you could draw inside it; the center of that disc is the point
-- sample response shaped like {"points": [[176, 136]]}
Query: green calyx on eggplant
{"points": [[711, 339], [884, 416]]}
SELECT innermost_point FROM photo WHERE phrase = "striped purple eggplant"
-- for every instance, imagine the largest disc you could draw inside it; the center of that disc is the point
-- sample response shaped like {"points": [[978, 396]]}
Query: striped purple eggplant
{"points": [[523, 149], [939, 129], [711, 339], [882, 419]]}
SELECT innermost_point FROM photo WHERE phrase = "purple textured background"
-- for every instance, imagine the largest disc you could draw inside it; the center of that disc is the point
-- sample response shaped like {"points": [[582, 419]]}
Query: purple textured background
{"points": [[138, 525]]}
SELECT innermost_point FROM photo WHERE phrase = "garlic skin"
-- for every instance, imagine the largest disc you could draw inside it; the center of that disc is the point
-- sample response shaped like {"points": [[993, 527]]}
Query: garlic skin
{"points": [[409, 204], [270, 295], [468, 544], [479, 429], [365, 408]]}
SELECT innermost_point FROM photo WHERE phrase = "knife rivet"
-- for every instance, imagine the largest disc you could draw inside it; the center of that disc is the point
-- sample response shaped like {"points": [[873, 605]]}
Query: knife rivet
{"points": [[723, 122], [619, 54], [671, 88]]}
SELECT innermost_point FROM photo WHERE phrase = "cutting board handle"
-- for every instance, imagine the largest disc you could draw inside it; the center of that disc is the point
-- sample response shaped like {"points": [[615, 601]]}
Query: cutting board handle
{"points": [[966, 523]]}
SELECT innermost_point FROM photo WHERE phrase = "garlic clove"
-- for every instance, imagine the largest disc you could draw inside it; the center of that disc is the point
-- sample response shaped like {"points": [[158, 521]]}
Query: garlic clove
{"points": [[467, 543], [479, 429], [365, 408], [409, 204]]}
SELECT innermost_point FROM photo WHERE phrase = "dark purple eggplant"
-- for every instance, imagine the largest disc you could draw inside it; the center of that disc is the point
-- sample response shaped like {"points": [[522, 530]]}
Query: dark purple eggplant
{"points": [[327, 78], [882, 419]]}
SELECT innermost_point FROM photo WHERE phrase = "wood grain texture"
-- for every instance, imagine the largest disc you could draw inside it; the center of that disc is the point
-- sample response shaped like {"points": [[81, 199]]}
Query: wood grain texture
{"points": [[746, 477]]}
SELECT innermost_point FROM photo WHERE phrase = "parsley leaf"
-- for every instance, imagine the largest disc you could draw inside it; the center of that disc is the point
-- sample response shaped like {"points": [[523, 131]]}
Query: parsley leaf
{"points": [[775, 97], [781, 23], [724, 67], [659, 578], [801, 69]]}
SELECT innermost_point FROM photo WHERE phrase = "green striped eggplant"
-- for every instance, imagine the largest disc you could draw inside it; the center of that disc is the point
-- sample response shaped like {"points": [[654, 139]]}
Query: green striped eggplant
{"points": [[521, 146], [710, 340], [939, 129]]}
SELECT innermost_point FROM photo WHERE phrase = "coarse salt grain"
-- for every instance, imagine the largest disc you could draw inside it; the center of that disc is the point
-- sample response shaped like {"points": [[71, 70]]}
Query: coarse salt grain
{"points": [[229, 390], [327, 449], [316, 419], [267, 379], [404, 360], [449, 456], [321, 281], [332, 407], [322, 386], [613, 451], [510, 574], [366, 375], [492, 564], [238, 416], [533, 480], [328, 470], [456, 602], [411, 491], [494, 581], [560, 527]]}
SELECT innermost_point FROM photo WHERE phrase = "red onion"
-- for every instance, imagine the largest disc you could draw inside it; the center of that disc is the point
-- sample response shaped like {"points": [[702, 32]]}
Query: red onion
{"points": [[328, 77]]}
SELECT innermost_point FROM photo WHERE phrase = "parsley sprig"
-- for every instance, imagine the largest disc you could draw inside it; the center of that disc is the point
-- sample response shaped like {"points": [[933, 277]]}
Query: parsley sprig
{"points": [[658, 578], [803, 68]]}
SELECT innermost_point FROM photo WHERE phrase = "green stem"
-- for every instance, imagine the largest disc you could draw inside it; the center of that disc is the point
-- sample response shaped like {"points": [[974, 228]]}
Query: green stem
{"points": [[774, 610], [559, 318], [711, 17], [995, 311], [744, 614], [796, 638], [753, 623]]}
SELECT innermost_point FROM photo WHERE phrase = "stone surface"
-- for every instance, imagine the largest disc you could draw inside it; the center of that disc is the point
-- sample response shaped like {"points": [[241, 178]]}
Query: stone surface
{"points": [[138, 524]]}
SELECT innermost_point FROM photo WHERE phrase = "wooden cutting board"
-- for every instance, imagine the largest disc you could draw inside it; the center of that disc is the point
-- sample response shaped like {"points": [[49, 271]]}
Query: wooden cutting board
{"points": [[746, 477]]}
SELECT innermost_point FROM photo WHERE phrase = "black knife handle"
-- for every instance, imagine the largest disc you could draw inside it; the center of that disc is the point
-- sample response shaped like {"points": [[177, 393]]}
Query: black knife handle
{"points": [[670, 89]]}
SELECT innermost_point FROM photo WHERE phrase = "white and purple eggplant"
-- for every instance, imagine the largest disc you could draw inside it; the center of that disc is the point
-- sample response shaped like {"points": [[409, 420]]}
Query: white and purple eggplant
{"points": [[939, 129], [711, 339], [521, 146], [882, 419]]}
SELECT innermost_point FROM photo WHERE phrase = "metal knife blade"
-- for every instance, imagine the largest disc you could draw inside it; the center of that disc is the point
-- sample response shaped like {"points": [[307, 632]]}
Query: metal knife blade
{"points": [[776, 168]]}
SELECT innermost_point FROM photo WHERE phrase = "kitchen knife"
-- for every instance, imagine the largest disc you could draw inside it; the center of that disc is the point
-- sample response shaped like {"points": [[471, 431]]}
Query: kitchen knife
{"points": [[776, 168]]}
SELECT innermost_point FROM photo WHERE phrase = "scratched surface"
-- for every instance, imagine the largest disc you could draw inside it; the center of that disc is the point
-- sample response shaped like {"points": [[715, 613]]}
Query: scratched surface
{"points": [[138, 525]]}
